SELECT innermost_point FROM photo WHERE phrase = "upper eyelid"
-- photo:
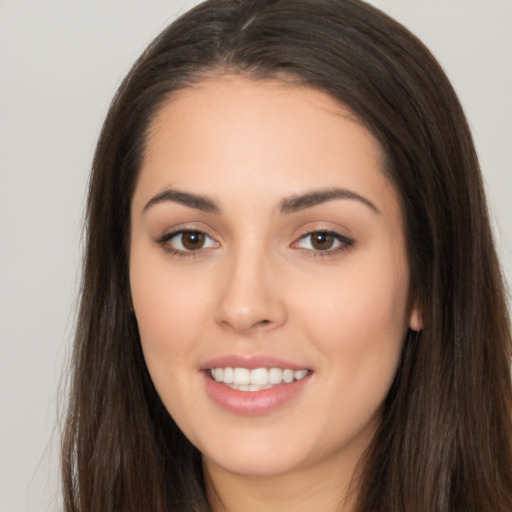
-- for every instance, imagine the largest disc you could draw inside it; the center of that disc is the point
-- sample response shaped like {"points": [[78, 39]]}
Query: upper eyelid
{"points": [[173, 232], [312, 231], [185, 227], [168, 235], [336, 233], [342, 238], [325, 225]]}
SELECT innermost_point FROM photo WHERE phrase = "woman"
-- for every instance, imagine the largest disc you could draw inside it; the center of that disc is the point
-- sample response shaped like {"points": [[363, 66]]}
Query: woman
{"points": [[290, 296]]}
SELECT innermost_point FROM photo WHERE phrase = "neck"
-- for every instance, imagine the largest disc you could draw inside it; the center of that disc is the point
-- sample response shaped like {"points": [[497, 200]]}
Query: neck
{"points": [[328, 487]]}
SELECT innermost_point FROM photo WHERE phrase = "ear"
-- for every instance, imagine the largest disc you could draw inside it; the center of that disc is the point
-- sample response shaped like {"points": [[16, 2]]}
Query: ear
{"points": [[415, 320]]}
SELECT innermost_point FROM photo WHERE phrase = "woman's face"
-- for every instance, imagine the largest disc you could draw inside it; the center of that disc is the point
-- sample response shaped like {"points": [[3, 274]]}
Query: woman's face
{"points": [[267, 248]]}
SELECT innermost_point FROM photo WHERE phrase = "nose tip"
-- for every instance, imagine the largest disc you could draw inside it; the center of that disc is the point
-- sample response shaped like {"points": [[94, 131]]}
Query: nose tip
{"points": [[249, 301], [244, 324]]}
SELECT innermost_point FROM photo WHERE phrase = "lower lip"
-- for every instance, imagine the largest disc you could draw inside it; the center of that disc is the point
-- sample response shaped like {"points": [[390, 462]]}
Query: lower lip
{"points": [[252, 403]]}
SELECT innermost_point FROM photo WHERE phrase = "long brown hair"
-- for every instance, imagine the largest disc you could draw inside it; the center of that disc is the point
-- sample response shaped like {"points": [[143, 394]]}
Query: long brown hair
{"points": [[444, 443]]}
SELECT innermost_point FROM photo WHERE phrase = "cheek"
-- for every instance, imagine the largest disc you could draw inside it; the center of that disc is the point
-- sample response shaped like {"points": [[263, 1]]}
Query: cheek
{"points": [[364, 303], [358, 321], [170, 317], [168, 309]]}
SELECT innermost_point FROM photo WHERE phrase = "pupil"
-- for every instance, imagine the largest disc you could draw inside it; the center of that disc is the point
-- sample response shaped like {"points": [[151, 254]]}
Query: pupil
{"points": [[322, 241], [193, 240]]}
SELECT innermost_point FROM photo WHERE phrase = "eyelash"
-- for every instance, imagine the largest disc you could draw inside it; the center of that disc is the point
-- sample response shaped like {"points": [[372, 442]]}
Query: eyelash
{"points": [[164, 243], [344, 243]]}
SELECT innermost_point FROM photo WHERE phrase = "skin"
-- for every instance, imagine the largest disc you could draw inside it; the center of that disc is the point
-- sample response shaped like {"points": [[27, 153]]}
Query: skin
{"points": [[259, 285]]}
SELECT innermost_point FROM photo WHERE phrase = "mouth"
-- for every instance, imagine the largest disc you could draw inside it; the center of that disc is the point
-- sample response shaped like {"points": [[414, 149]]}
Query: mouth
{"points": [[254, 385], [256, 379]]}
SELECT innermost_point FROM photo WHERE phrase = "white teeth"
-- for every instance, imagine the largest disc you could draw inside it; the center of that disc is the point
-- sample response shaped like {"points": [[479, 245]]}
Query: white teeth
{"points": [[259, 376], [299, 374], [241, 376], [288, 376], [257, 379], [275, 375], [227, 376]]}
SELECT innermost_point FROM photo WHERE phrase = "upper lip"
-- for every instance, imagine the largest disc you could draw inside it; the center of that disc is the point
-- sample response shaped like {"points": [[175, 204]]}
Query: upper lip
{"points": [[250, 362]]}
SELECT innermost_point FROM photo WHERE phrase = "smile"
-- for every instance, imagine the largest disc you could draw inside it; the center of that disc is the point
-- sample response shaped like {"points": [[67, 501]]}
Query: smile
{"points": [[257, 379]]}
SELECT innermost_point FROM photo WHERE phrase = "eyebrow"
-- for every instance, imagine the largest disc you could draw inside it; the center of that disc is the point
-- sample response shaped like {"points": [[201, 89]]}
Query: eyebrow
{"points": [[289, 205], [196, 201], [301, 202]]}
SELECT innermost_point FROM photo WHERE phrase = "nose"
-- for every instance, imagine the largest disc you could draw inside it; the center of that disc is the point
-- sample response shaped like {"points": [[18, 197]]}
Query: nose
{"points": [[250, 299]]}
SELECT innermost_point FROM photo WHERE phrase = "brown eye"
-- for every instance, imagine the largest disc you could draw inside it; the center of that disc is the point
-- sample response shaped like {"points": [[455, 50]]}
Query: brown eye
{"points": [[328, 242], [322, 241], [192, 240], [187, 241]]}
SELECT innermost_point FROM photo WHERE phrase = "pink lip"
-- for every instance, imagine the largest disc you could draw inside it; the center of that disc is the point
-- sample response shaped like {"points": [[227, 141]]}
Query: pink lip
{"points": [[252, 403], [250, 362]]}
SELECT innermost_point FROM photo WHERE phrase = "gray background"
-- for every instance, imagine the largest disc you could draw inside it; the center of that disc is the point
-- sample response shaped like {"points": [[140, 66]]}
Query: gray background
{"points": [[61, 62]]}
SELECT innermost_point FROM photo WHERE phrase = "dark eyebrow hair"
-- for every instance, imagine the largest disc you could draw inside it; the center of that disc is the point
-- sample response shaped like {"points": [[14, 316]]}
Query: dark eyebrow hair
{"points": [[310, 199], [191, 200], [288, 205]]}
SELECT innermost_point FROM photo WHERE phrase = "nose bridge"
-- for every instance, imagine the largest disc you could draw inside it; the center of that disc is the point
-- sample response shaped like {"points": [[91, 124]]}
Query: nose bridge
{"points": [[249, 299]]}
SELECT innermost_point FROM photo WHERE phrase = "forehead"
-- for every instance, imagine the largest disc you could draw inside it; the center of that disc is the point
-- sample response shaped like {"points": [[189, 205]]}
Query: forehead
{"points": [[265, 137]]}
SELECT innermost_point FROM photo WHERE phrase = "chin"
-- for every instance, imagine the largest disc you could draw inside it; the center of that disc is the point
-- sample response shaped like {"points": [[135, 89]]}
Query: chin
{"points": [[257, 459]]}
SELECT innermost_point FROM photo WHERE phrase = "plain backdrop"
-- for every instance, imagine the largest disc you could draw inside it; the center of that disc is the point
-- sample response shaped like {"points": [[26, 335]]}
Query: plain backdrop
{"points": [[60, 63]]}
